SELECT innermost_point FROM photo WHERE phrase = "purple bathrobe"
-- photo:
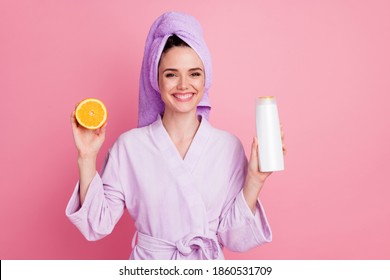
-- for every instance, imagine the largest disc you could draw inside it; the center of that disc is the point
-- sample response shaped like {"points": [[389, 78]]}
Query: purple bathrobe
{"points": [[183, 209]]}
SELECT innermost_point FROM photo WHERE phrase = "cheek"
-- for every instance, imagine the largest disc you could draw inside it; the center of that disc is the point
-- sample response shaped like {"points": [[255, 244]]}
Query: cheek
{"points": [[163, 85], [199, 84]]}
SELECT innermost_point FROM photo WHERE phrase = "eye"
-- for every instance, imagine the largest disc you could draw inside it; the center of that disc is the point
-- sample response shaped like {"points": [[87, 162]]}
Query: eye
{"points": [[196, 74], [169, 75]]}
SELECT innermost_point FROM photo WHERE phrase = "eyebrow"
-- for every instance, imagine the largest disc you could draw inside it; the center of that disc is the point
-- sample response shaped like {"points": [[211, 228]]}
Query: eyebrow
{"points": [[175, 70]]}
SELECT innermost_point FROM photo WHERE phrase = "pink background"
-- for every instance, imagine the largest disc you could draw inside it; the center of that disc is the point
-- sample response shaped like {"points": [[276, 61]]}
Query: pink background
{"points": [[328, 63]]}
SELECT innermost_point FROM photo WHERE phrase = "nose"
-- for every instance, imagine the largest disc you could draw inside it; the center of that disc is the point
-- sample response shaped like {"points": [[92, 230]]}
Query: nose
{"points": [[183, 83]]}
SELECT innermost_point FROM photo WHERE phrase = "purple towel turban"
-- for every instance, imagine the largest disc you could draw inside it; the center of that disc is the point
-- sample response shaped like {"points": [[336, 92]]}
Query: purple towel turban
{"points": [[187, 28]]}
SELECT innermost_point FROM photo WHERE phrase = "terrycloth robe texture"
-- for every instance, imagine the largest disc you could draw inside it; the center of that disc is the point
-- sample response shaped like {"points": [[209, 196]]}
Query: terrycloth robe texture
{"points": [[187, 28], [187, 208]]}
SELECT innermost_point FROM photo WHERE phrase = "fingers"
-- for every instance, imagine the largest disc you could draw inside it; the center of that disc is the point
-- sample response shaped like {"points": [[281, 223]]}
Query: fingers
{"points": [[102, 131], [254, 147], [281, 131], [254, 167], [253, 156], [104, 127], [73, 120], [282, 135]]}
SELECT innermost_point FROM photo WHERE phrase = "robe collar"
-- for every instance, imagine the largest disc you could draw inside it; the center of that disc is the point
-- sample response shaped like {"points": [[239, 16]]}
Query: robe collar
{"points": [[169, 150]]}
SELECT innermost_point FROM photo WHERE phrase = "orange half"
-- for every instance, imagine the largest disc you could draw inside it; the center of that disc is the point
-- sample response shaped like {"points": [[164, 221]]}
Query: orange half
{"points": [[91, 113]]}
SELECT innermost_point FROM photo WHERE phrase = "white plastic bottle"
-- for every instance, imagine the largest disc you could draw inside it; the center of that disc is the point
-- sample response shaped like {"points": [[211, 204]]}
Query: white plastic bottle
{"points": [[269, 135]]}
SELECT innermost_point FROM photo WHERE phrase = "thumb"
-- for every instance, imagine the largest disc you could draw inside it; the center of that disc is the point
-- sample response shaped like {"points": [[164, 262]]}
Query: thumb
{"points": [[253, 158], [102, 131]]}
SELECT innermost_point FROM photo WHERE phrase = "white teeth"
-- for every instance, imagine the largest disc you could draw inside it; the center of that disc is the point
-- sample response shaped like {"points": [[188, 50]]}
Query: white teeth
{"points": [[183, 96]]}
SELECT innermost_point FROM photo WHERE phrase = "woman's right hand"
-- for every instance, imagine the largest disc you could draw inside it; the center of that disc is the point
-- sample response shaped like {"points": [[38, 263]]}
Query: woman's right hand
{"points": [[88, 142]]}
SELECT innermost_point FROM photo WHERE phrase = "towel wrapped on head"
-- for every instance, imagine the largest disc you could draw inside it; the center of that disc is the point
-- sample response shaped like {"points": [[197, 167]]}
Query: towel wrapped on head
{"points": [[187, 28]]}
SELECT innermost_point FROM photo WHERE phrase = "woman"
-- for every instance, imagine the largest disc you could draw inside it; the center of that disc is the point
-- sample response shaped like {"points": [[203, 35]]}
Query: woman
{"points": [[187, 185]]}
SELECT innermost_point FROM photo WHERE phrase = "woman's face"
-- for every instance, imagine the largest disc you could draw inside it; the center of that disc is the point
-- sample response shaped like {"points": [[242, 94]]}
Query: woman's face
{"points": [[181, 79]]}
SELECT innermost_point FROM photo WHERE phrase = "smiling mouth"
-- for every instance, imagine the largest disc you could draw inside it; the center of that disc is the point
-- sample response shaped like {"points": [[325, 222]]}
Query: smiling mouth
{"points": [[183, 97]]}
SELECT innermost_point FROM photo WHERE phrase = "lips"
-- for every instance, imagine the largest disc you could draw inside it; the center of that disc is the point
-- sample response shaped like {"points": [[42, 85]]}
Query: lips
{"points": [[183, 97]]}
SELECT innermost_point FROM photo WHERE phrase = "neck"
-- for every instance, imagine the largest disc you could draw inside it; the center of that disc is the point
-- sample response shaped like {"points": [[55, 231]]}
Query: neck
{"points": [[180, 127]]}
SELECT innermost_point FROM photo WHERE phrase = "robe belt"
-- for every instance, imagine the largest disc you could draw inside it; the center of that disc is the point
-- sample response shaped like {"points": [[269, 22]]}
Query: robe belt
{"points": [[184, 247]]}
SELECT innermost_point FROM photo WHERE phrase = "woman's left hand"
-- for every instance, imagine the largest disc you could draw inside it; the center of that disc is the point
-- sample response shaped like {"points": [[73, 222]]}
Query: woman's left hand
{"points": [[258, 177], [255, 178]]}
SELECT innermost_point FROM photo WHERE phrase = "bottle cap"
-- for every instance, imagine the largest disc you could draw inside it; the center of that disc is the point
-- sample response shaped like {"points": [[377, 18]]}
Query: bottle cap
{"points": [[263, 100]]}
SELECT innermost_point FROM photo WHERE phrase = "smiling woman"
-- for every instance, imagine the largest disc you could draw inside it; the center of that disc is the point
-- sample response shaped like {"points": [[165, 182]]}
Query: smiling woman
{"points": [[187, 185], [181, 84], [181, 81]]}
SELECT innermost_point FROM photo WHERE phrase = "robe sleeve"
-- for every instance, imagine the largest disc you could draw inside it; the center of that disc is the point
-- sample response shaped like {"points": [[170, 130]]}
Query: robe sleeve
{"points": [[103, 206], [239, 229]]}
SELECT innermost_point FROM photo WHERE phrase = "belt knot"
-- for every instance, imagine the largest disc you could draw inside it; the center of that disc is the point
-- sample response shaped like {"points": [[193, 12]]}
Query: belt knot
{"points": [[208, 246]]}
